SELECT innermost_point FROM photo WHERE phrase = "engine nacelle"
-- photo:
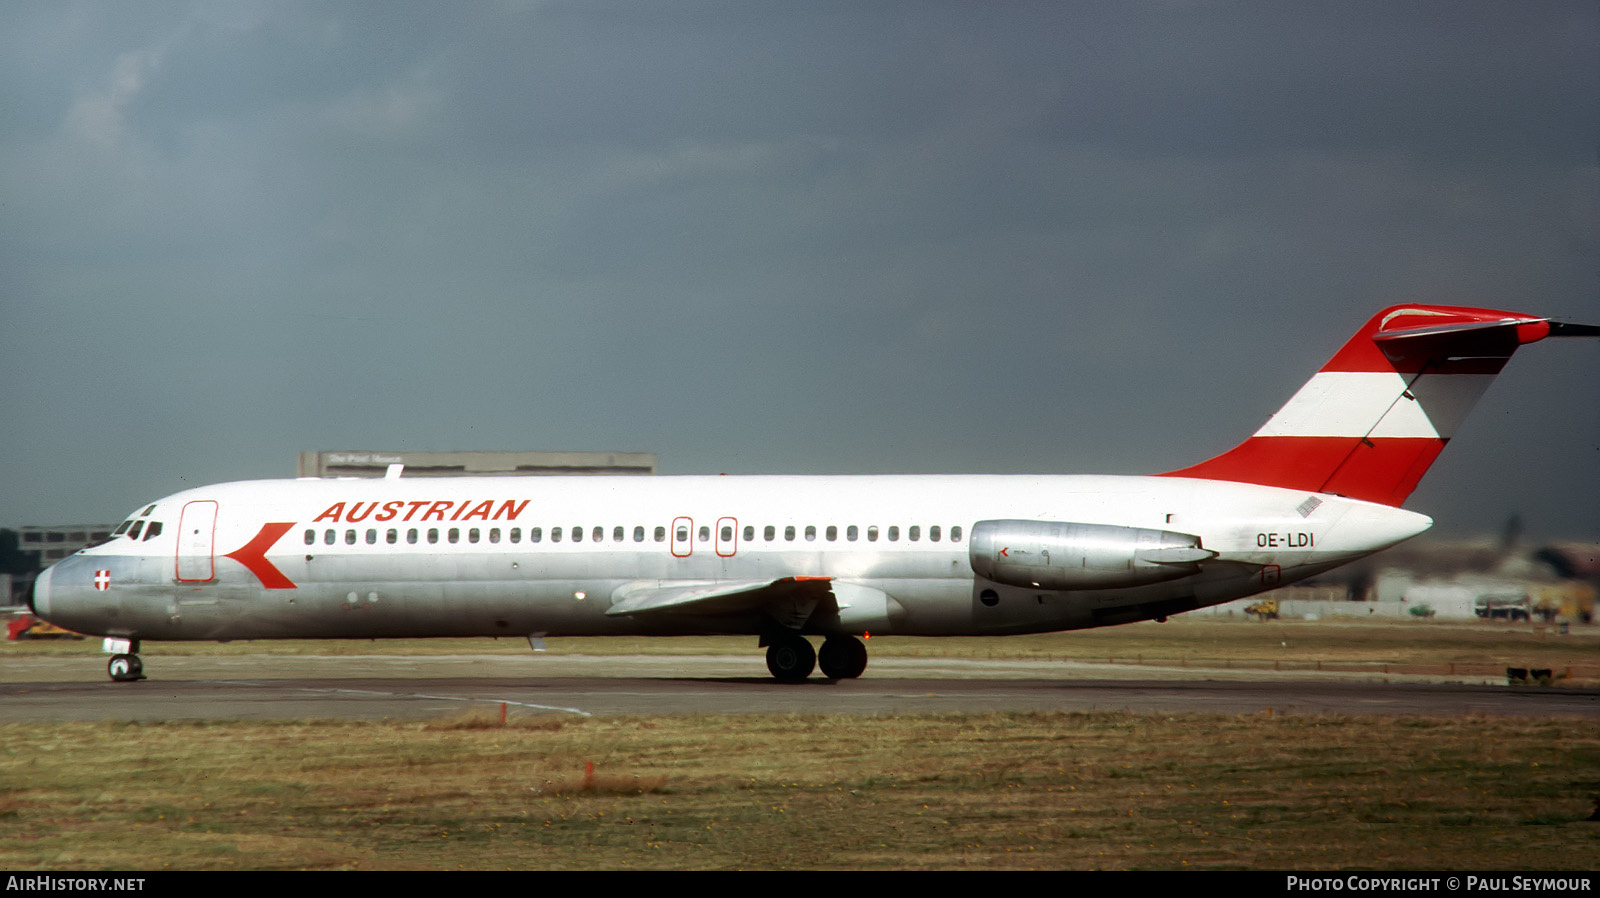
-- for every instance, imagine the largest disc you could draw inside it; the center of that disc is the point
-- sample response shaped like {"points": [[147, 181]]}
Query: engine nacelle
{"points": [[1062, 555]]}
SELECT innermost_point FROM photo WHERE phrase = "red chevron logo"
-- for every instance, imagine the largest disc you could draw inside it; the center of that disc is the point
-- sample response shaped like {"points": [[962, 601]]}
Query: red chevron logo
{"points": [[253, 555]]}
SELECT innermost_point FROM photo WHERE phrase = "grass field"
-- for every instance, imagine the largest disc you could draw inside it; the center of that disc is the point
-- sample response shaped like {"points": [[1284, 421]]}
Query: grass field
{"points": [[1099, 790], [1102, 790]]}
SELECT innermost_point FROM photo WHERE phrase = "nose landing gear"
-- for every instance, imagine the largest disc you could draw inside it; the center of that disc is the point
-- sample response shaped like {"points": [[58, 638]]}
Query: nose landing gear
{"points": [[125, 668]]}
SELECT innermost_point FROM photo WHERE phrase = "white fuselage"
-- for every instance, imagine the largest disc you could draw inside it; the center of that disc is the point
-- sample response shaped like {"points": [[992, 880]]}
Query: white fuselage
{"points": [[498, 556]]}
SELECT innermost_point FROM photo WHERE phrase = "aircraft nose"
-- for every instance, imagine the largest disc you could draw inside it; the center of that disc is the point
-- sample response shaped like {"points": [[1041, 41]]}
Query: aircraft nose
{"points": [[39, 595]]}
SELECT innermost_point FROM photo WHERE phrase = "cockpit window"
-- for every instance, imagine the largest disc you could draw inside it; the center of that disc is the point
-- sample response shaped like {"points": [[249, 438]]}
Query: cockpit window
{"points": [[152, 531], [146, 512], [123, 528], [133, 532]]}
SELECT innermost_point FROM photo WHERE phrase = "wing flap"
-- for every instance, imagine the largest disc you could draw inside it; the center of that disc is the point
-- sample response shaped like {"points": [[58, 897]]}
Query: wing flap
{"points": [[712, 596]]}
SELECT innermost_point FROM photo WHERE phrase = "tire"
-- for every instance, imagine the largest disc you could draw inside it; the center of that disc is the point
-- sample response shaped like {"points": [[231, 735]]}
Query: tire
{"points": [[791, 659], [842, 658]]}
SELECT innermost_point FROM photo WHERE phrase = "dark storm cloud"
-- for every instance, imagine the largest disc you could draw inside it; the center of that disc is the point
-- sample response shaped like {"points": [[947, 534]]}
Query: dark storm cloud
{"points": [[776, 237]]}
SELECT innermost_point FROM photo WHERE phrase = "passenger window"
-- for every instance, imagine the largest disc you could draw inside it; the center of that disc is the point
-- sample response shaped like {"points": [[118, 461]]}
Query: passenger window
{"points": [[617, 534], [515, 535], [555, 534], [577, 534], [638, 534], [705, 533], [727, 533], [392, 537], [494, 534], [788, 533], [683, 534], [955, 534], [411, 536], [455, 535], [472, 534], [311, 536], [537, 533], [349, 537], [599, 534], [372, 537], [894, 533], [433, 534], [872, 533], [328, 536], [933, 533], [851, 533], [915, 533], [770, 533], [661, 534], [833, 533], [749, 533], [811, 532]]}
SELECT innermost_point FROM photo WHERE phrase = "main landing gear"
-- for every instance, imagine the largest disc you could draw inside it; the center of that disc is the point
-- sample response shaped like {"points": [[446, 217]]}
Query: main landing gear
{"points": [[791, 658]]}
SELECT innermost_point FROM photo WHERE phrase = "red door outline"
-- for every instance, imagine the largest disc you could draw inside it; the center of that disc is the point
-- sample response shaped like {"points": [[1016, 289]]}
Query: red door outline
{"points": [[195, 561], [683, 546]]}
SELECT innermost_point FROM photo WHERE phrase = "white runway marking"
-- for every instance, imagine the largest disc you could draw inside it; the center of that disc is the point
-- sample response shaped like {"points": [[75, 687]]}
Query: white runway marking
{"points": [[444, 698]]}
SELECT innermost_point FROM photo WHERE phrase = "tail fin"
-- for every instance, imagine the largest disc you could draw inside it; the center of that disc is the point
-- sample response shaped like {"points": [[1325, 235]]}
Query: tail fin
{"points": [[1375, 417]]}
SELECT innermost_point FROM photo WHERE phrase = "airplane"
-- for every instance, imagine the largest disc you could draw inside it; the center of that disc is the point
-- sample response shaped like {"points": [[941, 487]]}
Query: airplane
{"points": [[784, 558]]}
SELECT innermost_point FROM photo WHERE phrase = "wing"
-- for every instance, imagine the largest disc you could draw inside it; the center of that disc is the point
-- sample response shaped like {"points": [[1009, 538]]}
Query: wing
{"points": [[788, 600]]}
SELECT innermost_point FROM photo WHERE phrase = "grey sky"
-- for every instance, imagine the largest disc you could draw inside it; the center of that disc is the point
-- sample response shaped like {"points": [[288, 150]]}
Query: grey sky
{"points": [[777, 237]]}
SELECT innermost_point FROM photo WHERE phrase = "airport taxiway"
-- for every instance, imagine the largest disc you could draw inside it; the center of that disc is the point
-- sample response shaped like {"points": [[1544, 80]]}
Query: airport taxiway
{"points": [[259, 687]]}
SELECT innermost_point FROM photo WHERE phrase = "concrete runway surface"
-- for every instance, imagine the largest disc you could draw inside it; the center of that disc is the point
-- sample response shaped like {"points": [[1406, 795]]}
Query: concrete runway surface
{"points": [[262, 687]]}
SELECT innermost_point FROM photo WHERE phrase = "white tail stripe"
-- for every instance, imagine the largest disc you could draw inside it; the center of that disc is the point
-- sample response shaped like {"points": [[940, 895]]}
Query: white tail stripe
{"points": [[1357, 404], [1445, 399]]}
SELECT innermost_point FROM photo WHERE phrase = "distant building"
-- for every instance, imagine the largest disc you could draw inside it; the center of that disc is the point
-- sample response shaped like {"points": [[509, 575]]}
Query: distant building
{"points": [[363, 463], [55, 543]]}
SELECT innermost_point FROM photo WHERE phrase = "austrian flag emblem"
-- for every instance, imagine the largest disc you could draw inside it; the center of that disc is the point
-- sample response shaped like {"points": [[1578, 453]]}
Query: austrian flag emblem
{"points": [[102, 580]]}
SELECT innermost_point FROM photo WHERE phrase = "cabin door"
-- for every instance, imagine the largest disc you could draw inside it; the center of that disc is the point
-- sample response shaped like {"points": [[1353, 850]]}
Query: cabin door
{"points": [[197, 531]]}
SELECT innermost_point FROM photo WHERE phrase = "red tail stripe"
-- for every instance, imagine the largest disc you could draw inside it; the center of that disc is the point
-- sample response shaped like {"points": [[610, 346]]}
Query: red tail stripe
{"points": [[1381, 470]]}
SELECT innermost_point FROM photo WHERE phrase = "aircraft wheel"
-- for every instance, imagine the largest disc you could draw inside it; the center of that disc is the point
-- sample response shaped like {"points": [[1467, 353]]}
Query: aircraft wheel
{"points": [[125, 668], [842, 658], [791, 658]]}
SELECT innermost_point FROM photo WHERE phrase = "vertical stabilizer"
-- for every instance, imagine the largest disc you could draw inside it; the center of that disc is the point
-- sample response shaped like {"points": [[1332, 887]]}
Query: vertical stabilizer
{"points": [[1371, 421]]}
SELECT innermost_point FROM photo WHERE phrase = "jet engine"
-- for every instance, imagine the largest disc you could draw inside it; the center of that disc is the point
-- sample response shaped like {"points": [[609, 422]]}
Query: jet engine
{"points": [[1062, 555]]}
